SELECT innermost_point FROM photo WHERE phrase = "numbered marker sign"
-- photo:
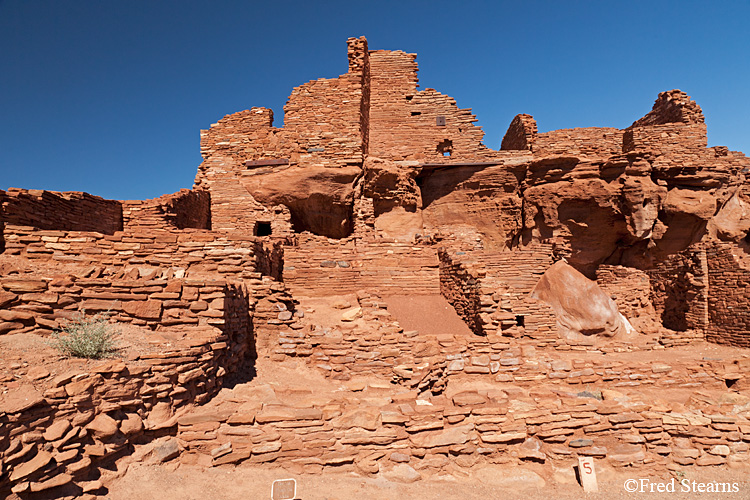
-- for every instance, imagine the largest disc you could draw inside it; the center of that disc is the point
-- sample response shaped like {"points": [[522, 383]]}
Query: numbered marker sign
{"points": [[588, 474], [284, 489]]}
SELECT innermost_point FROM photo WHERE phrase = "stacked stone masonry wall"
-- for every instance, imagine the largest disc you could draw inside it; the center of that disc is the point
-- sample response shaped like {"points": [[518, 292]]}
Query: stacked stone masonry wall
{"points": [[69, 424], [71, 211], [728, 291], [667, 138], [520, 134], [630, 289], [319, 266], [680, 286], [472, 427], [438, 426], [404, 121], [410, 357], [189, 252], [598, 142], [184, 209], [42, 305], [501, 282]]}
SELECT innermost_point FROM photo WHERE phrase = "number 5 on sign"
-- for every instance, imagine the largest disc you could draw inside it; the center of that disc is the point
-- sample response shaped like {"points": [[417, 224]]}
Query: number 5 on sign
{"points": [[588, 474]]}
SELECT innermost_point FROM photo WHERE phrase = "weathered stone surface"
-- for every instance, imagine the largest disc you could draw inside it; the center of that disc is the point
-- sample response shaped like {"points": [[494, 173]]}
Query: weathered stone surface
{"points": [[280, 413], [582, 308], [146, 309], [41, 459], [54, 482], [166, 451], [468, 399], [580, 443], [352, 314], [103, 426], [503, 437], [20, 399], [57, 430], [450, 436], [132, 424], [403, 473]]}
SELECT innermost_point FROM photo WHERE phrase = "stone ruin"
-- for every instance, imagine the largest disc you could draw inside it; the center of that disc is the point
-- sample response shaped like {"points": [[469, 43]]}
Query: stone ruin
{"points": [[590, 266]]}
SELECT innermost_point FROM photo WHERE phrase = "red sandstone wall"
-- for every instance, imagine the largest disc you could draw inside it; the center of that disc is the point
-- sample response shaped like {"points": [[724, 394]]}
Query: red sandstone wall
{"points": [[191, 252], [521, 134], [72, 211], [183, 209], [600, 142], [631, 290], [665, 138], [41, 305], [728, 292], [403, 121], [494, 287], [318, 266], [80, 419], [680, 285], [326, 126], [672, 106]]}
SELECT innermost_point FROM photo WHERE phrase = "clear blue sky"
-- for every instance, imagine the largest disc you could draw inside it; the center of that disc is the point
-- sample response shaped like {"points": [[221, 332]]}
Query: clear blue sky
{"points": [[108, 97]]}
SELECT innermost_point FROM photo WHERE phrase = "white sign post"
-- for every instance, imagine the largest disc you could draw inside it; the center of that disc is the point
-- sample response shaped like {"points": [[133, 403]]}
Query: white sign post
{"points": [[284, 489], [588, 474]]}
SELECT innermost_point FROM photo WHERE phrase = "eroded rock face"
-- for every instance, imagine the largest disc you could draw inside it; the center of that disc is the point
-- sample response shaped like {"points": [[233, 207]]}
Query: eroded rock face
{"points": [[582, 308], [320, 199]]}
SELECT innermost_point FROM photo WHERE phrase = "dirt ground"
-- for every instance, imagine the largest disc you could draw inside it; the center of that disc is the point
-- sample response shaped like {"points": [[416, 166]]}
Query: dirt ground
{"points": [[428, 314], [498, 482]]}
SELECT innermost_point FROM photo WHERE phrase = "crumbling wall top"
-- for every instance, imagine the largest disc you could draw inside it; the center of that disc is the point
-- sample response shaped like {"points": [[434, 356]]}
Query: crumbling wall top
{"points": [[672, 106]]}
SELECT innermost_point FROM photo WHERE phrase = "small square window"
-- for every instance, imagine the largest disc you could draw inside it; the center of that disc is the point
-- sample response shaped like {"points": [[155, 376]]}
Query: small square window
{"points": [[262, 229], [440, 121]]}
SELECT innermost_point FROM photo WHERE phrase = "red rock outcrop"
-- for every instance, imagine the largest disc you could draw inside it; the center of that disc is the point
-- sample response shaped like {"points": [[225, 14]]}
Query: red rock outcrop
{"points": [[581, 307]]}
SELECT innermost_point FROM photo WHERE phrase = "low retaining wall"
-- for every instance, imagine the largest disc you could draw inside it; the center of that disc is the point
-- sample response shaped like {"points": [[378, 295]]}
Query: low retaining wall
{"points": [[193, 251], [55, 432], [72, 211]]}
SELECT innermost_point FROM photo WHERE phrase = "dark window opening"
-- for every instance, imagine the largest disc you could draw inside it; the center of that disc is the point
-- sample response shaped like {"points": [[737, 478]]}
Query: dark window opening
{"points": [[520, 320], [262, 229], [445, 148], [729, 382], [746, 239], [416, 113], [409, 97]]}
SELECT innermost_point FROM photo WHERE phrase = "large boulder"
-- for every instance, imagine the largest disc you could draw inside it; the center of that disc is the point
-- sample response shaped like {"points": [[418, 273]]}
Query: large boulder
{"points": [[581, 307]]}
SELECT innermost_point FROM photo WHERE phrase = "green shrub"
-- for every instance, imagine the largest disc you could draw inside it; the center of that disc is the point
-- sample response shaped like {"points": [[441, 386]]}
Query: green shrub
{"points": [[93, 337]]}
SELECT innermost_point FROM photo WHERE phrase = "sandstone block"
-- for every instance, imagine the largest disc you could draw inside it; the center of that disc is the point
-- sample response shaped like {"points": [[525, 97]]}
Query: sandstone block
{"points": [[57, 430], [54, 482], [103, 426], [503, 437], [132, 424], [448, 437], [166, 451], [403, 473], [27, 468], [145, 309]]}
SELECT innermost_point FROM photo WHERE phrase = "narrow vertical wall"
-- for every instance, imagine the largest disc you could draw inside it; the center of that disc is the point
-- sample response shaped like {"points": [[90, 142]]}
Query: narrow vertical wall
{"points": [[728, 292]]}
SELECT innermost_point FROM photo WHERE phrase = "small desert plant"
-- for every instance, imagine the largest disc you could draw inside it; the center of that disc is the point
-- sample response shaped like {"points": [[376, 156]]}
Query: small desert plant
{"points": [[83, 337]]}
